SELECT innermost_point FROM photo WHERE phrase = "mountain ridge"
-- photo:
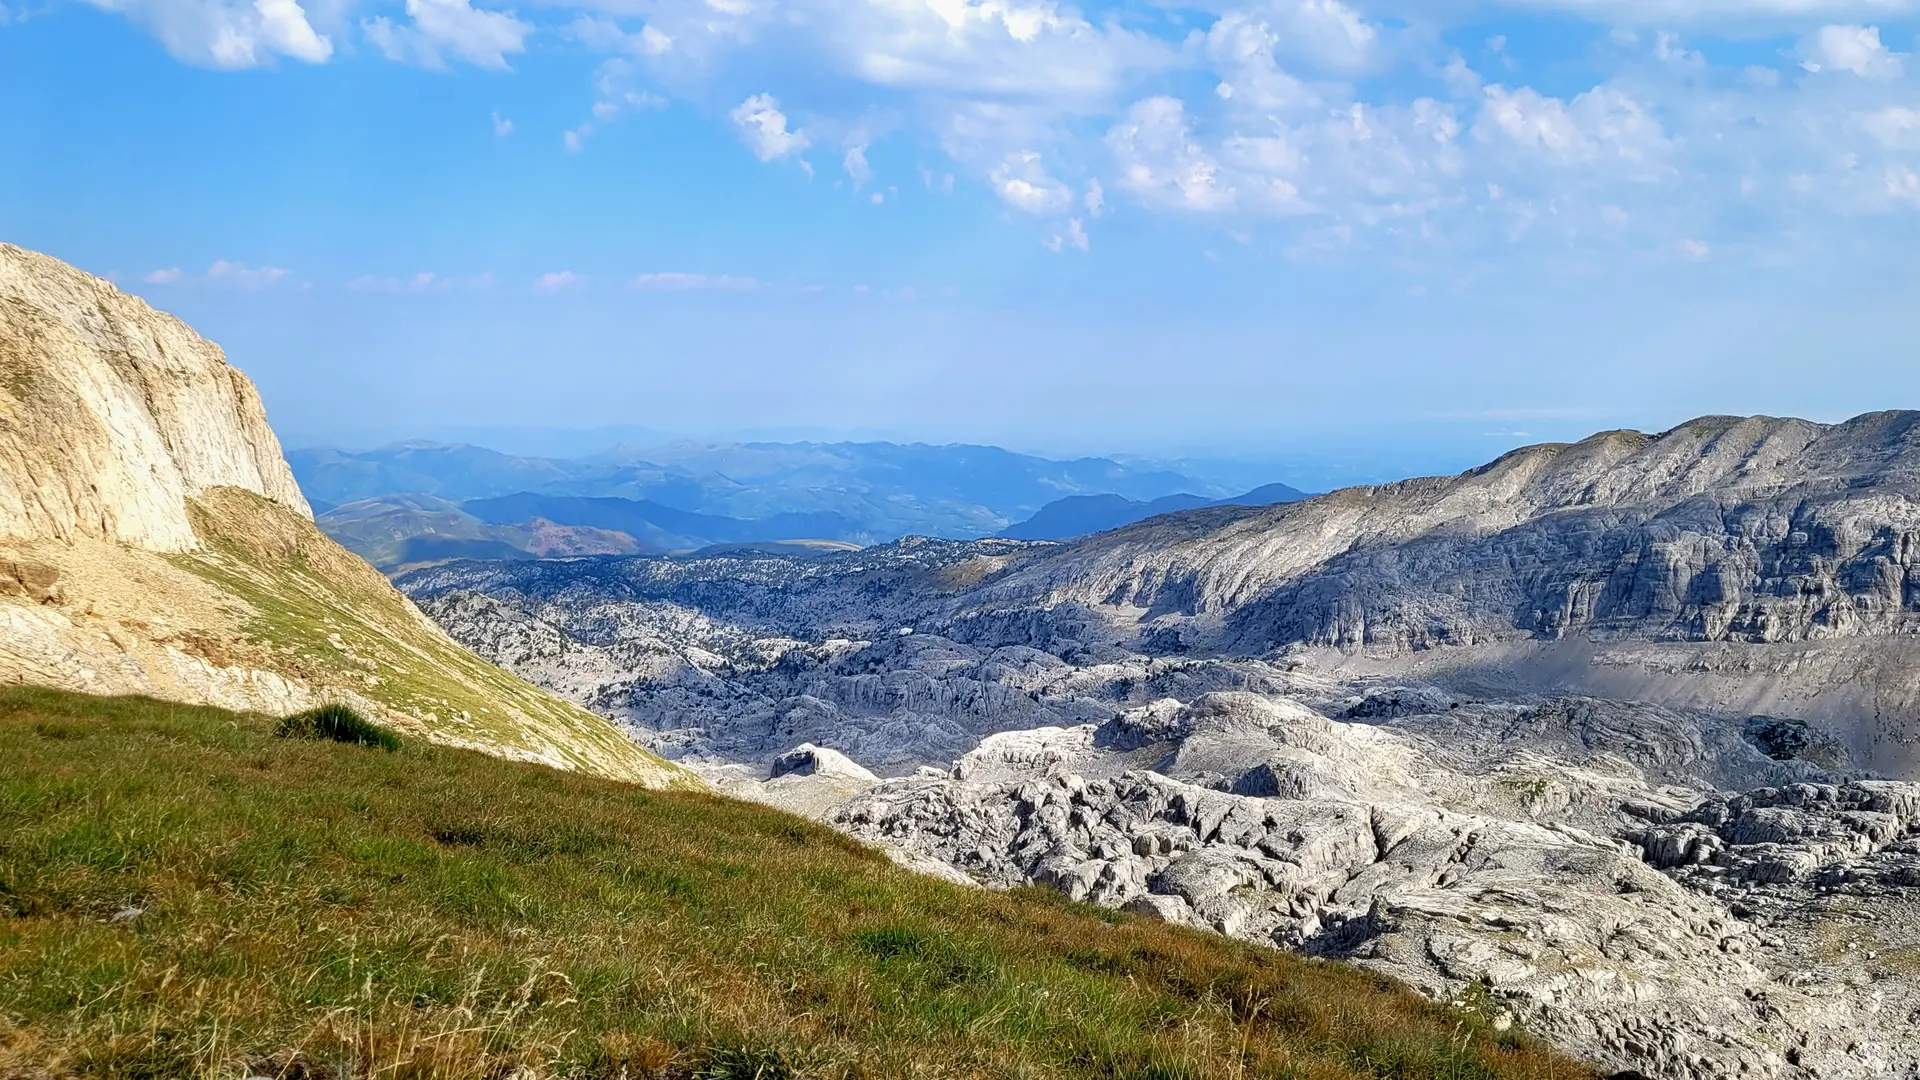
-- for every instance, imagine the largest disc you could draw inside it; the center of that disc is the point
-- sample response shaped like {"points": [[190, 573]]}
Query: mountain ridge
{"points": [[1081, 515]]}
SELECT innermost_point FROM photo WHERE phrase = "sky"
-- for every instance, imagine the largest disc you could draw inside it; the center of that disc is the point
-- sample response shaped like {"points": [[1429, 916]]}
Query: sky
{"points": [[1392, 233]]}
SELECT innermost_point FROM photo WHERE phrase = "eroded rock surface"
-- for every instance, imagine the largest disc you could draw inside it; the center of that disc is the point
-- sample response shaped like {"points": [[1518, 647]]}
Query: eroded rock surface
{"points": [[1593, 735], [1517, 882]]}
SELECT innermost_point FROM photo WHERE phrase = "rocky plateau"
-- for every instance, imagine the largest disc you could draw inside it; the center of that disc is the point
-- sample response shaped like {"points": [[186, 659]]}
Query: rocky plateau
{"points": [[1612, 740]]}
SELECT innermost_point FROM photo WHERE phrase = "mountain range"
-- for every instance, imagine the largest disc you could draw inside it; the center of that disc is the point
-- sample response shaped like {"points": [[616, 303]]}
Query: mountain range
{"points": [[863, 492], [1618, 736], [416, 503]]}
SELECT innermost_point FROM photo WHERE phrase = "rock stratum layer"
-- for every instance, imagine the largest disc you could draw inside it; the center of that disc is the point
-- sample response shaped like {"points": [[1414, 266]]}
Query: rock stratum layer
{"points": [[152, 541]]}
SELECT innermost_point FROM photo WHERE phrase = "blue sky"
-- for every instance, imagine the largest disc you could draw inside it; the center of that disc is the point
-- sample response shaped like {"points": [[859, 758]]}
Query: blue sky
{"points": [[1272, 227]]}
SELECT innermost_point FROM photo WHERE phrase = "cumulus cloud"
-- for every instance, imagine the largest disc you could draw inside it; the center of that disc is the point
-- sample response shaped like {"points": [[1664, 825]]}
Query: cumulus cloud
{"points": [[228, 33], [168, 276], [242, 276], [1740, 13], [443, 28], [1857, 49], [502, 127], [1314, 113], [1022, 182], [1604, 122], [1160, 161], [556, 281], [764, 127]]}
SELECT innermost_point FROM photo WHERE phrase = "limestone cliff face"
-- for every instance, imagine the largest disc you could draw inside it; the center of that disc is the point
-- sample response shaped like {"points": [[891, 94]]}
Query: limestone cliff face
{"points": [[113, 415], [1756, 530]]}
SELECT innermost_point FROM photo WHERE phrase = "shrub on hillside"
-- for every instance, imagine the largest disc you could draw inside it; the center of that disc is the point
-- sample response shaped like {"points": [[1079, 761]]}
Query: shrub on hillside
{"points": [[339, 723]]}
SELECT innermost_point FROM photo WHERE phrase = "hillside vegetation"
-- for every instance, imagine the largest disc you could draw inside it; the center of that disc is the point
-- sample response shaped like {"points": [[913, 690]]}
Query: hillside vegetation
{"points": [[185, 893], [319, 613]]}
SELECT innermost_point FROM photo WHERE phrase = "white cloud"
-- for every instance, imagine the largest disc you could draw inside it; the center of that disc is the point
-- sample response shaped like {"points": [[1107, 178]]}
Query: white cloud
{"points": [[764, 127], [1850, 48], [856, 165], [243, 276], [1895, 125], [1241, 48], [449, 27], [996, 47], [1067, 115], [1737, 12], [1328, 34], [1074, 236], [502, 127], [162, 277], [556, 281], [1695, 249], [677, 281], [616, 93], [1022, 182], [1602, 123], [425, 281], [1160, 161], [1903, 185], [228, 33]]}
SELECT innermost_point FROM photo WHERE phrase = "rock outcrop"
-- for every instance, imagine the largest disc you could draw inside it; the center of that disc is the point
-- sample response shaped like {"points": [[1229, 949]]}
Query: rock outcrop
{"points": [[117, 414], [1514, 882]]}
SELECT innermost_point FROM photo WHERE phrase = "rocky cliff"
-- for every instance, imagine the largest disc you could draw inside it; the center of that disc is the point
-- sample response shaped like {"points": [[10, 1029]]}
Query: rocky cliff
{"points": [[117, 414], [1723, 529], [152, 541]]}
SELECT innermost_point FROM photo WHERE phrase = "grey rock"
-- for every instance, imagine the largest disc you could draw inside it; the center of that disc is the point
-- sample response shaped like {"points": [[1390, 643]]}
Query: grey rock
{"points": [[810, 760]]}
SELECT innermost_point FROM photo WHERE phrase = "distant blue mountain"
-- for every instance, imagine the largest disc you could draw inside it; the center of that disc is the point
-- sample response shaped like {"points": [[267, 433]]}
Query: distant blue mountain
{"points": [[1266, 495], [662, 526], [1083, 515], [878, 490]]}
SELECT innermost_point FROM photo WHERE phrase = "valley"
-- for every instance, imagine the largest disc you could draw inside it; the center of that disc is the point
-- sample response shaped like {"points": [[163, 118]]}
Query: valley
{"points": [[1617, 734]]}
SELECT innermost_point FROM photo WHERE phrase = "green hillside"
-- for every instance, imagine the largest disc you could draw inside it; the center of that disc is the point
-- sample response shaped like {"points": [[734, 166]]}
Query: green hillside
{"points": [[310, 609], [183, 893]]}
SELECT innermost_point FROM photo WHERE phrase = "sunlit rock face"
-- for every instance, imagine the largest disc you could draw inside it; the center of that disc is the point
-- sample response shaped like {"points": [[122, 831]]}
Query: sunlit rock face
{"points": [[116, 414]]}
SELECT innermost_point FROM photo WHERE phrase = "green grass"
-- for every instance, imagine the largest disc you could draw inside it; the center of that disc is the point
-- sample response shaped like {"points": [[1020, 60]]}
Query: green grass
{"points": [[338, 723], [185, 894], [323, 616]]}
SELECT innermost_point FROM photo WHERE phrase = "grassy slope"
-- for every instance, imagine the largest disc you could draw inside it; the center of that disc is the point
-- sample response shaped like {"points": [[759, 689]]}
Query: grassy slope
{"points": [[325, 616], [315, 909]]}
